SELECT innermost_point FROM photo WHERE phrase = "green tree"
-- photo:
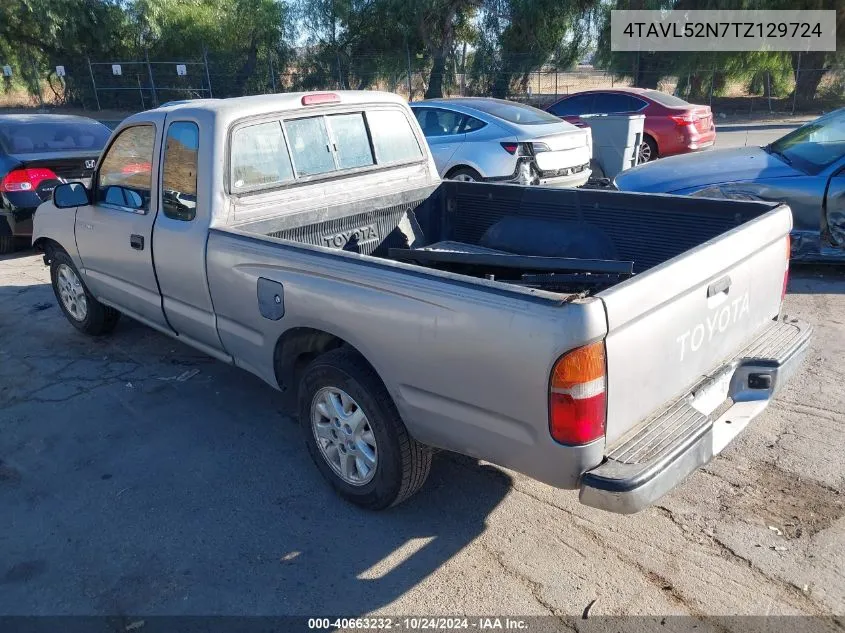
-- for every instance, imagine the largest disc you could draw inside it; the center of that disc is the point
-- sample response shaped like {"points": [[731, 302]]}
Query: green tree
{"points": [[526, 34], [241, 36]]}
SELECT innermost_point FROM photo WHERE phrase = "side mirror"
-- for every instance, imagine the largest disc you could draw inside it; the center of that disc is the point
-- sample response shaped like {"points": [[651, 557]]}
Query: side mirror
{"points": [[69, 195]]}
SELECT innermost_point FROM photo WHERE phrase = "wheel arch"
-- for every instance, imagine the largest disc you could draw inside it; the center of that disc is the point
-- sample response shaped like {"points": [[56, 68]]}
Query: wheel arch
{"points": [[56, 227], [464, 165], [48, 246], [653, 137], [297, 347]]}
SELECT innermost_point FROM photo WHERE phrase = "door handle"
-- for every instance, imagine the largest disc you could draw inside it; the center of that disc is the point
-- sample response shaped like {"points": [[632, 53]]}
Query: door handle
{"points": [[136, 242]]}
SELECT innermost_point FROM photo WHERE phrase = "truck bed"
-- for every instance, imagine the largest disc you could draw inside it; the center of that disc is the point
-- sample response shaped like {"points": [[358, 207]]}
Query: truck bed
{"points": [[558, 240]]}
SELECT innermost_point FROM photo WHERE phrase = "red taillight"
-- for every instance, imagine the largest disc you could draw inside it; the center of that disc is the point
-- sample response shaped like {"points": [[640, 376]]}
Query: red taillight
{"points": [[510, 148], [786, 272], [320, 97], [682, 120], [577, 401], [26, 179]]}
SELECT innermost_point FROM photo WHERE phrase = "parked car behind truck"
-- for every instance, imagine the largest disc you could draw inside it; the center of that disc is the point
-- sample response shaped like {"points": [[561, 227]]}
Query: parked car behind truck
{"points": [[593, 340], [493, 140], [37, 152], [672, 126], [804, 169]]}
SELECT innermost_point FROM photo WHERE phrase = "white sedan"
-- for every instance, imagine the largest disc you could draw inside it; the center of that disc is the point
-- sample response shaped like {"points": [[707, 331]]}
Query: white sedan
{"points": [[493, 140]]}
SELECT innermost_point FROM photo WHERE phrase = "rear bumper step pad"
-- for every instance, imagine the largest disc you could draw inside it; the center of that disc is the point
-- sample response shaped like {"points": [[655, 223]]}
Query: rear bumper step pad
{"points": [[659, 454]]}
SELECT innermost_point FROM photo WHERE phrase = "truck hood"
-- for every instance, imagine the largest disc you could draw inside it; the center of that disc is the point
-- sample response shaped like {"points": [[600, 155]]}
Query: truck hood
{"points": [[714, 167]]}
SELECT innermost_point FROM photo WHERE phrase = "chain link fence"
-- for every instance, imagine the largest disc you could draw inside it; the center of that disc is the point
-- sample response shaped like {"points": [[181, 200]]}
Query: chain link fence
{"points": [[137, 84]]}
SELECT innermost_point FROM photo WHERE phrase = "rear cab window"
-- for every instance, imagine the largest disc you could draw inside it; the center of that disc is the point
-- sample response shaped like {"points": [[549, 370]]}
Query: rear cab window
{"points": [[260, 157], [393, 138], [297, 148], [350, 140]]}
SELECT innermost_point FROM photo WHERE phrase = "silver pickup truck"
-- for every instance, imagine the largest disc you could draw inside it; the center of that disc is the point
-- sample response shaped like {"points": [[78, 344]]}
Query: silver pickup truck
{"points": [[594, 340]]}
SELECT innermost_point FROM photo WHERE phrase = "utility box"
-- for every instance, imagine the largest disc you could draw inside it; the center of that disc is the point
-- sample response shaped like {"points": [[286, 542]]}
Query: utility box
{"points": [[616, 140]]}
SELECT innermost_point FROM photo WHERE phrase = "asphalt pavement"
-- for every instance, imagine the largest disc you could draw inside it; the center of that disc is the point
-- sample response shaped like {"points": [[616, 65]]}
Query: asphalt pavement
{"points": [[138, 476], [750, 134]]}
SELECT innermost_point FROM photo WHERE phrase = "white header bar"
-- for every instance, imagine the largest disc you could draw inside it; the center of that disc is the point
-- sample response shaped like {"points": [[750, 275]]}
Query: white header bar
{"points": [[719, 30]]}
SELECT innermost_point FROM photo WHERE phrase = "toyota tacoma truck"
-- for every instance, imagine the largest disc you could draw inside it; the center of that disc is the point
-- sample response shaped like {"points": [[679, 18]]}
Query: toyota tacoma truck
{"points": [[596, 340]]}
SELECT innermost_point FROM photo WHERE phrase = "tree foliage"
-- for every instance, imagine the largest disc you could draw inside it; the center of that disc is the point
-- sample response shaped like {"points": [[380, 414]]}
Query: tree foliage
{"points": [[492, 45]]}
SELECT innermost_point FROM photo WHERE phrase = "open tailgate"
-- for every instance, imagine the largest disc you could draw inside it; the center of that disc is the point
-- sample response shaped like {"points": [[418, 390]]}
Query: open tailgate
{"points": [[671, 325]]}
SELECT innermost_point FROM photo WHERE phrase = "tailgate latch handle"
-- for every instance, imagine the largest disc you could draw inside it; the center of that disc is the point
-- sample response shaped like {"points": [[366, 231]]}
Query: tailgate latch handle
{"points": [[721, 285]]}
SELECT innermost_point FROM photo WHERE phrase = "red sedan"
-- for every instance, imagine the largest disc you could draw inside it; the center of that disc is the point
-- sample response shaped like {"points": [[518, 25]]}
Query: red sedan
{"points": [[672, 126]]}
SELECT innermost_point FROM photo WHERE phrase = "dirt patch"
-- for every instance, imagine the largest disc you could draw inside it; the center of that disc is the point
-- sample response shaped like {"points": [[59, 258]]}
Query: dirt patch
{"points": [[797, 506]]}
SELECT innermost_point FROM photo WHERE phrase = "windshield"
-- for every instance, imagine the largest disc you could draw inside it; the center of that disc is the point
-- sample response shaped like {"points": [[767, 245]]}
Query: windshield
{"points": [[814, 146], [24, 137], [513, 112], [666, 99]]}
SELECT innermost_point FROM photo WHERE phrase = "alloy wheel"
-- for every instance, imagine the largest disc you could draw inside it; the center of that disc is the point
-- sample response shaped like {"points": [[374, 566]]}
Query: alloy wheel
{"points": [[72, 292], [344, 436]]}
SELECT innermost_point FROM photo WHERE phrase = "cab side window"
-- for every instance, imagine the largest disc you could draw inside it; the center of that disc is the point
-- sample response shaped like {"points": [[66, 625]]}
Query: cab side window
{"points": [[179, 173], [125, 178]]}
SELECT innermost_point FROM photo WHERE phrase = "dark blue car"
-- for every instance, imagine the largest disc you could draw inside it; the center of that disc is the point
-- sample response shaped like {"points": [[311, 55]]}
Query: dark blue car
{"points": [[805, 169], [38, 152]]}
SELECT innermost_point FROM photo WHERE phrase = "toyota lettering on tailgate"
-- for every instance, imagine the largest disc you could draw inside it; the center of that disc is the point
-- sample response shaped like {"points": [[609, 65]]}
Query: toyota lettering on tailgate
{"points": [[716, 323]]}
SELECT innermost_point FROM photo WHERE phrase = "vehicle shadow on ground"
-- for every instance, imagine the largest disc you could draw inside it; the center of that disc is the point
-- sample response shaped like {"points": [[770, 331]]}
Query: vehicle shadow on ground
{"points": [[816, 279], [17, 254], [139, 477]]}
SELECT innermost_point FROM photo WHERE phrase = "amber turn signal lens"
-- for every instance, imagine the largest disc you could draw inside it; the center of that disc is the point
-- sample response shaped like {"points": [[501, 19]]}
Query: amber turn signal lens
{"points": [[577, 401]]}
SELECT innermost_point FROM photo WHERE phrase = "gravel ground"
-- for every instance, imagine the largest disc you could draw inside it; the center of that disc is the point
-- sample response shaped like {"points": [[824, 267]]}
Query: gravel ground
{"points": [[138, 476]]}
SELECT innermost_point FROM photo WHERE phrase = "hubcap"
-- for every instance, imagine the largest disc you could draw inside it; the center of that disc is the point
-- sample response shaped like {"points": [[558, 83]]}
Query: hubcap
{"points": [[344, 436], [72, 292], [645, 152], [464, 178]]}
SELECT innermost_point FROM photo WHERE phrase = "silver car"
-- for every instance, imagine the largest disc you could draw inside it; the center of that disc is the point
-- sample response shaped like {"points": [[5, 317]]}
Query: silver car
{"points": [[501, 141]]}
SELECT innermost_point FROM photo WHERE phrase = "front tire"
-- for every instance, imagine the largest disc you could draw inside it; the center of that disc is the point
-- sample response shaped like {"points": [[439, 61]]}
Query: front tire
{"points": [[355, 435], [80, 307]]}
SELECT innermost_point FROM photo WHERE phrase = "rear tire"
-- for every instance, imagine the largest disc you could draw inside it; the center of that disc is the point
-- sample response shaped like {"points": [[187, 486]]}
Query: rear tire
{"points": [[647, 150], [465, 174], [7, 244], [388, 466], [80, 307]]}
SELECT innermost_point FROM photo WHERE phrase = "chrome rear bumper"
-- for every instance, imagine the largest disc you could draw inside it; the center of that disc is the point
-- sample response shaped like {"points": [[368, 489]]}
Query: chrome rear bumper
{"points": [[660, 453]]}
